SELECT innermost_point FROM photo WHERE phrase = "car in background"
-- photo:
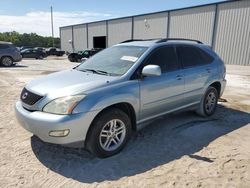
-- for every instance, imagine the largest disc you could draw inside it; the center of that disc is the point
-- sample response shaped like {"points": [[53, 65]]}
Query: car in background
{"points": [[41, 49], [33, 53], [54, 51], [25, 47], [77, 57], [9, 54]]}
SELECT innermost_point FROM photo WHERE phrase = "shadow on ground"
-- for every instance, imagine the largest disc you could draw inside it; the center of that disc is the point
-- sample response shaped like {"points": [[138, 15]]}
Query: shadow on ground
{"points": [[164, 140], [15, 66]]}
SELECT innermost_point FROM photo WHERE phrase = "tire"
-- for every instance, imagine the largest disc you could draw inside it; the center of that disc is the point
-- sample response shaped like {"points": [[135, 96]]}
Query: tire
{"points": [[6, 61], [103, 140], [40, 57], [209, 102]]}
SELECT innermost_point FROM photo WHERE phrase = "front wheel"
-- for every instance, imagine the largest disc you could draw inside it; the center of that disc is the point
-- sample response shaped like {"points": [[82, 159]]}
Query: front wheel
{"points": [[209, 102], [40, 57], [109, 133]]}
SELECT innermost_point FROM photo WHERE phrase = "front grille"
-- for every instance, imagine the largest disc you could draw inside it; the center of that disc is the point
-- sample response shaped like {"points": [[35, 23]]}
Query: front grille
{"points": [[28, 97]]}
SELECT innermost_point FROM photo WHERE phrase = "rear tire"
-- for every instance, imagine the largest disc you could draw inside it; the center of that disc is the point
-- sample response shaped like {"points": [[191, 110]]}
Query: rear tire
{"points": [[208, 103], [109, 133], [6, 61]]}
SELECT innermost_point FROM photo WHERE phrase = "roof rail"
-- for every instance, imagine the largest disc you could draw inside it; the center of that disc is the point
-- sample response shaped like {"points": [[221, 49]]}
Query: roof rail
{"points": [[132, 40], [183, 39]]}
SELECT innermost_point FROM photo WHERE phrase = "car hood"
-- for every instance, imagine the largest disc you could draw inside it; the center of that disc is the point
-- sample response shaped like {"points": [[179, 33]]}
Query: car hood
{"points": [[68, 82]]}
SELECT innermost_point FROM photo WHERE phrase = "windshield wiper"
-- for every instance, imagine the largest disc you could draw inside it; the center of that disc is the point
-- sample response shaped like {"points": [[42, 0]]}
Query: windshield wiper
{"points": [[96, 71]]}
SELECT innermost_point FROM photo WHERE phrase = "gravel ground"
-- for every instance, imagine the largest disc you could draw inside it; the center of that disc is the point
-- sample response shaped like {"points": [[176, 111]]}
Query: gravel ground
{"points": [[180, 150]]}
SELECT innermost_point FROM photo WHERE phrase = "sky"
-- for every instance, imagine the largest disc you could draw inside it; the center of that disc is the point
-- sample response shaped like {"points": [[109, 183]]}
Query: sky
{"points": [[26, 16]]}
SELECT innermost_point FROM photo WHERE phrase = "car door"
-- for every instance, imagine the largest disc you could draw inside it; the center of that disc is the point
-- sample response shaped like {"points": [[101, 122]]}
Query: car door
{"points": [[197, 70], [160, 94], [26, 53]]}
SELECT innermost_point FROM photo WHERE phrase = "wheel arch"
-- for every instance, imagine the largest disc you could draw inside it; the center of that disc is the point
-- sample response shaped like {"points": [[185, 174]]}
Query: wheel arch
{"points": [[217, 86]]}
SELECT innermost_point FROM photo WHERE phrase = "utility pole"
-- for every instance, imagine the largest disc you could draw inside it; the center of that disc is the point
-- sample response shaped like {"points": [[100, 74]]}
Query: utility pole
{"points": [[52, 26]]}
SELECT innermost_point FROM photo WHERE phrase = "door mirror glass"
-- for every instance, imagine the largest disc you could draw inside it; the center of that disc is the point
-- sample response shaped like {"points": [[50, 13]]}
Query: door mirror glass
{"points": [[151, 70]]}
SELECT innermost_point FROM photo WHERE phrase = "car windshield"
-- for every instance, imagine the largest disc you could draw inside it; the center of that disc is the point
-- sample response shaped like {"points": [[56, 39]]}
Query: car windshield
{"points": [[114, 61]]}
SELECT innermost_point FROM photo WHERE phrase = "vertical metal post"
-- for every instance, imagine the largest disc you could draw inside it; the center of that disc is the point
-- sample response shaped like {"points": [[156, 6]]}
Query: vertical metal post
{"points": [[107, 34], [132, 29], [168, 25], [87, 34], [60, 33], [52, 25], [215, 25], [73, 41]]}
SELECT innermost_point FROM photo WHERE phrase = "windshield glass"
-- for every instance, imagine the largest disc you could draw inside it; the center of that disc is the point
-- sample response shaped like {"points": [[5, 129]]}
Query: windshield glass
{"points": [[114, 61]]}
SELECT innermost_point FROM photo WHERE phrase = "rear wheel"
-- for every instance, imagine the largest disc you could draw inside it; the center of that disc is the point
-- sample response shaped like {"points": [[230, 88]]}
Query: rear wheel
{"points": [[7, 61], [209, 102], [109, 133]]}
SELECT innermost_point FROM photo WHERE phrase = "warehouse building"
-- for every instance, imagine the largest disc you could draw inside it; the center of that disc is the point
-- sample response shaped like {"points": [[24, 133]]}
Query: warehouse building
{"points": [[225, 26]]}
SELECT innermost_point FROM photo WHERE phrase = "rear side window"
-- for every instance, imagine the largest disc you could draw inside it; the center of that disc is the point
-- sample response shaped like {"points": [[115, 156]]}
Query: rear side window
{"points": [[165, 57], [191, 56]]}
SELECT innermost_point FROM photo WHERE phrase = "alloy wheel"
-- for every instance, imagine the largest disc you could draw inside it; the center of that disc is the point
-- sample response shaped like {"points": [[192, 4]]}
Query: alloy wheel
{"points": [[112, 135]]}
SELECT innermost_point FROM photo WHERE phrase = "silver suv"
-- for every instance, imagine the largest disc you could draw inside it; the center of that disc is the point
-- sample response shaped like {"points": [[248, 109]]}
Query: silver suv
{"points": [[99, 103], [9, 54]]}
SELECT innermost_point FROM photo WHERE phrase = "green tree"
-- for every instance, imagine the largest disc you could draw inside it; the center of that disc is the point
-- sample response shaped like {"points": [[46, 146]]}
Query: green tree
{"points": [[29, 39]]}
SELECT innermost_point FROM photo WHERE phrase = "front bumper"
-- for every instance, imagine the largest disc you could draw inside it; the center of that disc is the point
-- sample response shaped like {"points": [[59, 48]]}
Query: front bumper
{"points": [[17, 58], [41, 123]]}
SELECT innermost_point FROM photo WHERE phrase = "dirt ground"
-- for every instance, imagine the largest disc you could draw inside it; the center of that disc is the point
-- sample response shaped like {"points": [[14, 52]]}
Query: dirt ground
{"points": [[181, 150]]}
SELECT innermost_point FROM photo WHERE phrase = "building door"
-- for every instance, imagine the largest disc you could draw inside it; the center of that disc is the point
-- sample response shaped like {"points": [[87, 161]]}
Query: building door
{"points": [[99, 42]]}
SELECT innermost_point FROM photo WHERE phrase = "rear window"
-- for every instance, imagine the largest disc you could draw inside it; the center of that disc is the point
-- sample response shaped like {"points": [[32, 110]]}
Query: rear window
{"points": [[192, 56]]}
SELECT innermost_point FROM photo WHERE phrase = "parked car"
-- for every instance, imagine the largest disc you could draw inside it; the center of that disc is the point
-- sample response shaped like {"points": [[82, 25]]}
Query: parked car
{"points": [[55, 51], [77, 57], [41, 49], [9, 54], [25, 47], [100, 102], [33, 53]]}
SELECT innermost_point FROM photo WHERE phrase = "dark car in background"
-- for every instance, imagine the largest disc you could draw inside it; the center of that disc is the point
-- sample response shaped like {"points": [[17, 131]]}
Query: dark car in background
{"points": [[33, 53], [41, 49], [9, 54], [77, 57], [54, 51]]}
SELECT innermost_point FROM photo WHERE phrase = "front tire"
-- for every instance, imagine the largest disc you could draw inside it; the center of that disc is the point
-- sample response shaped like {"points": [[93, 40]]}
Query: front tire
{"points": [[209, 102], [109, 133], [6, 61]]}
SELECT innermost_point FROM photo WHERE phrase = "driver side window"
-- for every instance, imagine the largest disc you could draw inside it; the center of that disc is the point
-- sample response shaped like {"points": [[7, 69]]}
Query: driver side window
{"points": [[165, 57]]}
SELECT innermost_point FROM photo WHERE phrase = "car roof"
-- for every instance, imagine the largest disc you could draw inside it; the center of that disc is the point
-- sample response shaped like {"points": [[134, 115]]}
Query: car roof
{"points": [[153, 42], [3, 42]]}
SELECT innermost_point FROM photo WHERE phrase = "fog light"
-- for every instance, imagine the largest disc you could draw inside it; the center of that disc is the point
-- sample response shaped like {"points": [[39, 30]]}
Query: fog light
{"points": [[59, 133]]}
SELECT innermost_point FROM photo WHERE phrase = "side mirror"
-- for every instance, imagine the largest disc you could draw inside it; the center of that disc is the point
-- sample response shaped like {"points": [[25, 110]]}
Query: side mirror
{"points": [[151, 70]]}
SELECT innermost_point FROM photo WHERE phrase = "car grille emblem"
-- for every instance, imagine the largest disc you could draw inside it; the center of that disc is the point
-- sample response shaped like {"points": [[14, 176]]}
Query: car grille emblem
{"points": [[24, 96]]}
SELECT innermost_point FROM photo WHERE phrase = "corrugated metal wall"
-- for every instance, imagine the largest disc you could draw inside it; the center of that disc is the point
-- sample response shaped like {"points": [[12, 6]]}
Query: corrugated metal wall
{"points": [[80, 37], [95, 30], [119, 30], [232, 40], [225, 26], [150, 26], [66, 35], [194, 23]]}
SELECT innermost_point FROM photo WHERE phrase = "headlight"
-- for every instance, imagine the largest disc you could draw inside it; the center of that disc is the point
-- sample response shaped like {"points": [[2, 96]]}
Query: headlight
{"points": [[64, 105]]}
